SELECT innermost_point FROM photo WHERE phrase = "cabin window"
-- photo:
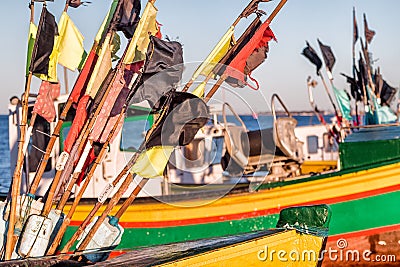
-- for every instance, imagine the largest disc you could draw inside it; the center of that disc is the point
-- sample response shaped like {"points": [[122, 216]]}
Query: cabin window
{"points": [[217, 149], [312, 144], [133, 132], [330, 144]]}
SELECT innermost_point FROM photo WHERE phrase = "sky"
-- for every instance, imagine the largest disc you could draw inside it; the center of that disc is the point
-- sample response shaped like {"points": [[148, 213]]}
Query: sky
{"points": [[198, 25]]}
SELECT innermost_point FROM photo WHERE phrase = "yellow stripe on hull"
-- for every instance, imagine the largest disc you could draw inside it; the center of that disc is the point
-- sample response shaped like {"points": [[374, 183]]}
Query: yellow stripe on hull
{"points": [[319, 166], [289, 248], [289, 195]]}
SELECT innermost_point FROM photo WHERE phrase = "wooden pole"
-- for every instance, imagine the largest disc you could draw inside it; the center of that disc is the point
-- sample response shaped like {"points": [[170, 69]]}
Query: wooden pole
{"points": [[245, 13], [16, 180], [92, 213], [66, 80], [113, 202], [143, 182], [98, 160]]}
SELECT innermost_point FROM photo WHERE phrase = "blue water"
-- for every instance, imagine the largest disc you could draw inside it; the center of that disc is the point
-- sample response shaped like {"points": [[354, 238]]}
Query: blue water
{"points": [[5, 177], [263, 121]]}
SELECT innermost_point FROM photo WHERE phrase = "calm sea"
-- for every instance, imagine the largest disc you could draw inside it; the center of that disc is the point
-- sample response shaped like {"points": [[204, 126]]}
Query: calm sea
{"points": [[263, 121]]}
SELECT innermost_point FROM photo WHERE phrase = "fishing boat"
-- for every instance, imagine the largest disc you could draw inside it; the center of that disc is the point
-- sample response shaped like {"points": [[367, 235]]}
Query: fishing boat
{"points": [[300, 232], [294, 167], [364, 182]]}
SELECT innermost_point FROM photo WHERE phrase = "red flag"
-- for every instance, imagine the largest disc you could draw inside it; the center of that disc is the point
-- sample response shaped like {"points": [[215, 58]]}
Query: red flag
{"points": [[79, 121], [114, 103], [239, 67], [83, 78], [44, 105]]}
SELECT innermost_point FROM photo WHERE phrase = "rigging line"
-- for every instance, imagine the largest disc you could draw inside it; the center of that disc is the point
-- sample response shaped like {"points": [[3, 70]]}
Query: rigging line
{"points": [[39, 149]]}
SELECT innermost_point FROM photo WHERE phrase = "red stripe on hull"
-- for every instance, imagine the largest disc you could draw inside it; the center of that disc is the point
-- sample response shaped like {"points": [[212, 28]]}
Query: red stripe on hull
{"points": [[253, 214], [368, 232]]}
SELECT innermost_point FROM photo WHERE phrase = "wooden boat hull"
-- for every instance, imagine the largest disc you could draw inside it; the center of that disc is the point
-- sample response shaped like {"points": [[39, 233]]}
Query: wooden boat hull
{"points": [[259, 250], [363, 202]]}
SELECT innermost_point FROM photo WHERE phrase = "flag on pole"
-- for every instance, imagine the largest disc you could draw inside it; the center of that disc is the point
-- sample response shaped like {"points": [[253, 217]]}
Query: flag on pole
{"points": [[85, 76], [369, 34], [251, 55], [101, 69], [44, 105], [162, 70], [328, 56], [182, 115], [127, 18], [200, 89], [70, 43], [355, 88], [343, 100], [310, 53], [218, 52], [147, 26], [355, 27], [46, 33], [101, 33], [112, 106]]}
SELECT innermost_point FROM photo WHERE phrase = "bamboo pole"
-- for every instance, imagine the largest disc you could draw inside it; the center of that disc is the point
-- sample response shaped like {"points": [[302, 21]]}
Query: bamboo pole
{"points": [[16, 180], [143, 182], [245, 13], [92, 213], [77, 199]]}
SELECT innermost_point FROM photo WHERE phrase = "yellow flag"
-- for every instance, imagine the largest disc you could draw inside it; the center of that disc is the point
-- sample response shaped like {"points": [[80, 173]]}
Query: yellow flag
{"points": [[70, 45], [106, 21], [140, 40], [67, 50], [216, 55], [152, 162], [100, 70]]}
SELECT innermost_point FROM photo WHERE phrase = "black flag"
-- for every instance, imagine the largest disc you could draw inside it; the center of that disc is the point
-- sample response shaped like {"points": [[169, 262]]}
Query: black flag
{"points": [[355, 89], [387, 93], [310, 53], [328, 56], [127, 17], [363, 74], [44, 43], [183, 115], [162, 70], [355, 27], [369, 34]]}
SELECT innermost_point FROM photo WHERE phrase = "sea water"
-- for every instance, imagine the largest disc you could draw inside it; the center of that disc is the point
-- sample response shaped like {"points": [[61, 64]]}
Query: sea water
{"points": [[5, 176], [262, 122]]}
